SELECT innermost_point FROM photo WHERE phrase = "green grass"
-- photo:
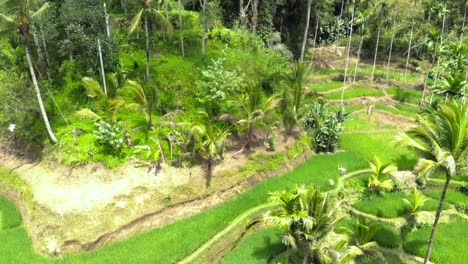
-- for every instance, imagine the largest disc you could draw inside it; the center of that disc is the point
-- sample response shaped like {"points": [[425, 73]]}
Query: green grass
{"points": [[389, 205], [450, 244], [326, 86], [405, 95], [259, 247], [387, 236], [10, 217], [353, 93], [379, 144], [170, 243], [452, 196]]}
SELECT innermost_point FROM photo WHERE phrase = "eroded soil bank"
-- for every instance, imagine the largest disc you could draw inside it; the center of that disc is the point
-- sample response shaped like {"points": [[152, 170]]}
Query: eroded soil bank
{"points": [[75, 209]]}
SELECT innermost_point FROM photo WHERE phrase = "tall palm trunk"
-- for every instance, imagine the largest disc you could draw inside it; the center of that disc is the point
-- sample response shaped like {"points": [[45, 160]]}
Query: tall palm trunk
{"points": [[44, 45], [147, 47], [358, 58], [306, 30], [181, 27], [409, 52], [315, 38], [390, 51], [101, 62], [38, 93], [106, 16], [376, 52], [463, 25], [254, 16], [347, 56], [437, 216], [209, 175], [124, 6], [205, 26]]}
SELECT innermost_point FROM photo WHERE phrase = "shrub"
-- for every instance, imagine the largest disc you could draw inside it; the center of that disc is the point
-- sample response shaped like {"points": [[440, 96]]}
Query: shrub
{"points": [[110, 136]]}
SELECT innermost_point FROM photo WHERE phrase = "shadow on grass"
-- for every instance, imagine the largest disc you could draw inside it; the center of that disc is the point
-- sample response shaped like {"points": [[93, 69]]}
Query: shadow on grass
{"points": [[268, 250], [405, 162]]}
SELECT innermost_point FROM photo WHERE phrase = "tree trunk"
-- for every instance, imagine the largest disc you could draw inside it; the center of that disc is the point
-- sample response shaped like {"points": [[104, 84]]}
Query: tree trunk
{"points": [[101, 62], [123, 4], [305, 259], [254, 16], [342, 8], [38, 47], [375, 55], [241, 14], [147, 47], [182, 46], [205, 27], [390, 51], [106, 16], [347, 58], [315, 38], [437, 216], [409, 53], [38, 94], [424, 89], [44, 45], [358, 59], [463, 25], [210, 171], [306, 30]]}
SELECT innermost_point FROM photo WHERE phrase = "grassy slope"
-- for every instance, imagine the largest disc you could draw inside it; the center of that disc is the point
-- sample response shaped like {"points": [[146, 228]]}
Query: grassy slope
{"points": [[168, 244], [449, 245]]}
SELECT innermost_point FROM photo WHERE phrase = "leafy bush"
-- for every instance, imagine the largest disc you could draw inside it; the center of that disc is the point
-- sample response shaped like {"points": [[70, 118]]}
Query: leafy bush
{"points": [[110, 136], [324, 127]]}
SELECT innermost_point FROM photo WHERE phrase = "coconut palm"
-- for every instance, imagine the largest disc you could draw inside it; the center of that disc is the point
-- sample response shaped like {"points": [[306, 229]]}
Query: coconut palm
{"points": [[211, 141], [452, 86], [18, 19], [144, 98], [416, 204], [307, 216], [306, 29], [108, 102], [347, 54], [380, 173], [441, 140], [294, 94], [362, 16], [144, 13], [256, 110]]}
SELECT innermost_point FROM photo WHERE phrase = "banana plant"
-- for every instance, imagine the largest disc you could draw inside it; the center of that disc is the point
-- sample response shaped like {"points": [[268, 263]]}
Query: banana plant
{"points": [[378, 181]]}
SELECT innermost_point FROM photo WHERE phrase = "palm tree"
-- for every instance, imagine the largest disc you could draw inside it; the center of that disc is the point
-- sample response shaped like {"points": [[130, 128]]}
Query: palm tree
{"points": [[306, 29], [145, 12], [379, 179], [294, 94], [18, 20], [107, 101], [181, 28], [379, 17], [409, 52], [144, 98], [256, 110], [441, 139], [362, 16], [453, 86], [306, 215], [347, 55], [211, 141]]}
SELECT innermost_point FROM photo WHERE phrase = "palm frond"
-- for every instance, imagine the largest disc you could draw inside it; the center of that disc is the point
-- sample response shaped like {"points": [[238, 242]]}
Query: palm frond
{"points": [[41, 10], [88, 114], [93, 88], [136, 21]]}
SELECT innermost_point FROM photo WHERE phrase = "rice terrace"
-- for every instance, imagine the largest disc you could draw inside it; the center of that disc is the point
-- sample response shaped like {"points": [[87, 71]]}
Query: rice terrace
{"points": [[233, 131]]}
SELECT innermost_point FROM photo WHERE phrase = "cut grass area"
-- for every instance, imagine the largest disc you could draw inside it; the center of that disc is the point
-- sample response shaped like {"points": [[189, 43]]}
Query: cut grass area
{"points": [[390, 205], [450, 244], [326, 86], [405, 95], [452, 196], [259, 247], [171, 243], [354, 93], [379, 144], [10, 217]]}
